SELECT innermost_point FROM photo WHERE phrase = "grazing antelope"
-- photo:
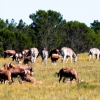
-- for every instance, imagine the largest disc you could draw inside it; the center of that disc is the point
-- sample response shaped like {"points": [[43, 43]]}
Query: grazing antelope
{"points": [[9, 65], [10, 53], [5, 75], [16, 71], [54, 55], [27, 59], [33, 52], [94, 52], [68, 73], [68, 52], [44, 55], [25, 52], [18, 56]]}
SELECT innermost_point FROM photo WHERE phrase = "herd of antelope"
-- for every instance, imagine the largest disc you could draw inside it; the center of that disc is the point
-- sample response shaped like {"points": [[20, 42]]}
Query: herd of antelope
{"points": [[24, 72]]}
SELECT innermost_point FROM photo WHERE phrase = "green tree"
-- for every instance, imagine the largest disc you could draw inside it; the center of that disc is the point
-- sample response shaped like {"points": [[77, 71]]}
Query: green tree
{"points": [[44, 25], [2, 24], [21, 26], [22, 42], [7, 39], [76, 33], [96, 26], [12, 25]]}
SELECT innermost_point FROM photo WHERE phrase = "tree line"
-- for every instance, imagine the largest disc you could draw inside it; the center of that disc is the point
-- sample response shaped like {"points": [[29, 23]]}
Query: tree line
{"points": [[48, 29]]}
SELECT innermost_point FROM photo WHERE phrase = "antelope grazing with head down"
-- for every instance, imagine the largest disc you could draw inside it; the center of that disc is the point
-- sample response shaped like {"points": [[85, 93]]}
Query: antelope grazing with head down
{"points": [[33, 52], [10, 53], [68, 73], [44, 55], [9, 65], [94, 52], [68, 52], [17, 57], [25, 52], [54, 55], [15, 71], [5, 75]]}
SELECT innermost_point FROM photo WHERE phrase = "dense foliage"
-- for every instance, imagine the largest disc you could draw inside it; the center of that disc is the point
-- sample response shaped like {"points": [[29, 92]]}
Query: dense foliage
{"points": [[50, 30]]}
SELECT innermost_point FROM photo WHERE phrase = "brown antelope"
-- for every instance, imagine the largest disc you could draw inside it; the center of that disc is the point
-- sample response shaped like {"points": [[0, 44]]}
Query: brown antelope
{"points": [[68, 73], [10, 53], [17, 57], [54, 55], [25, 52]]}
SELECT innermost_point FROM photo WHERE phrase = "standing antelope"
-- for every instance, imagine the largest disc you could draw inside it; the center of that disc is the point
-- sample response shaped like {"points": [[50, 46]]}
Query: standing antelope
{"points": [[10, 53], [34, 54], [68, 73], [94, 52], [44, 55], [54, 55], [68, 52]]}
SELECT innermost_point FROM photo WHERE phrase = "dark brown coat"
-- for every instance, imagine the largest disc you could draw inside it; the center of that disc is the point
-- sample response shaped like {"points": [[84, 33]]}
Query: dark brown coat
{"points": [[54, 55], [68, 73], [5, 75], [27, 59]]}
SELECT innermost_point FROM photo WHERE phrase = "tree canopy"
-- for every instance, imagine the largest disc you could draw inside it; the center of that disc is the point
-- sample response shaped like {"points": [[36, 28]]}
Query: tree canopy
{"points": [[48, 29]]}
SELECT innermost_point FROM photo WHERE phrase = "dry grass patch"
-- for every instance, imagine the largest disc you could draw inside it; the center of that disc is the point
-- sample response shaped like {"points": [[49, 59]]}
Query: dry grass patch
{"points": [[89, 89]]}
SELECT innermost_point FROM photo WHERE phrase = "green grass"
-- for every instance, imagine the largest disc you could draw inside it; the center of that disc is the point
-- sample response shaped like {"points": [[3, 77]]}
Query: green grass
{"points": [[87, 71]]}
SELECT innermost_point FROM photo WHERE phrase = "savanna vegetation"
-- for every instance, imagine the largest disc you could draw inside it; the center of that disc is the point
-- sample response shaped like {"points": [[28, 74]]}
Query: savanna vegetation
{"points": [[51, 89], [48, 29]]}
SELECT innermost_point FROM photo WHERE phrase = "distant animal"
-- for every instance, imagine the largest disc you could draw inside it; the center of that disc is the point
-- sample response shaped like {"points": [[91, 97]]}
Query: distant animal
{"points": [[55, 57], [5, 75], [17, 57], [94, 52], [44, 55], [68, 73], [27, 59], [10, 53], [54, 51], [25, 52], [54, 54], [33, 52], [68, 52]]}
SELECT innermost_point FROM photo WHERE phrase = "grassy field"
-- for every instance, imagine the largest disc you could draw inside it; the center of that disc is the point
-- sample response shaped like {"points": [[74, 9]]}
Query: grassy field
{"points": [[89, 89]]}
